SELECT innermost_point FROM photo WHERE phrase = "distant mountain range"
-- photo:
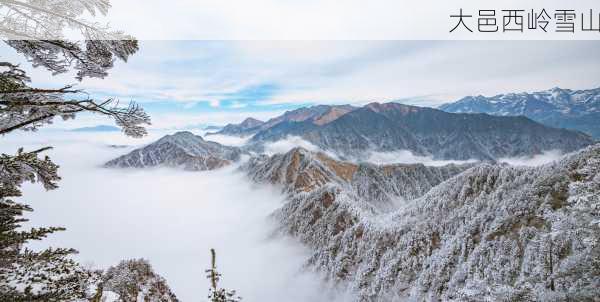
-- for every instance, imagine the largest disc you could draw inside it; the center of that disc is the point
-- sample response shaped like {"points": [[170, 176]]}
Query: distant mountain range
{"points": [[561, 108], [318, 115], [352, 131], [244, 128], [485, 232], [212, 128], [99, 128], [182, 149]]}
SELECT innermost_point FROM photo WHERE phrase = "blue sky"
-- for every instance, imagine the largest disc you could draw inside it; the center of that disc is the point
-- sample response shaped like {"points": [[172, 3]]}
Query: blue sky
{"points": [[214, 82]]}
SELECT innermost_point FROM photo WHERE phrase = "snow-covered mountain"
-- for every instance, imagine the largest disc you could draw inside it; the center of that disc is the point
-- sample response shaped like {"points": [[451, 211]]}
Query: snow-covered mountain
{"points": [[492, 232], [564, 108], [182, 149], [426, 132], [300, 170]]}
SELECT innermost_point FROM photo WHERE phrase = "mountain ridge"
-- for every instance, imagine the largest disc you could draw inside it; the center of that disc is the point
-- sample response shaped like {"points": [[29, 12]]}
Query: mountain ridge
{"points": [[485, 233], [427, 132], [302, 171], [318, 115]]}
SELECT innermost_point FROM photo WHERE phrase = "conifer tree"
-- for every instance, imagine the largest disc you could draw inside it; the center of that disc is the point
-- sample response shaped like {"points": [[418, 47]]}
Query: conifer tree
{"points": [[216, 294], [35, 29]]}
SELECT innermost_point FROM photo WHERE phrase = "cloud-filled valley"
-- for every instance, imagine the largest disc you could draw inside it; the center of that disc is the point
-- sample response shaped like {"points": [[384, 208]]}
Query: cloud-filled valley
{"points": [[173, 217], [168, 216], [283, 201]]}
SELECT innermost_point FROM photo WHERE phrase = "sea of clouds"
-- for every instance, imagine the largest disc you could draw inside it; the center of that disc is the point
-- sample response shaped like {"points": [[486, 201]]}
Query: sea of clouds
{"points": [[170, 217], [173, 217]]}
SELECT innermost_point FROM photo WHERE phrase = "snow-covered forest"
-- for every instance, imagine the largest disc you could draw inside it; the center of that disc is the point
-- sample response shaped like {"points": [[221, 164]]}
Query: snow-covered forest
{"points": [[369, 197]]}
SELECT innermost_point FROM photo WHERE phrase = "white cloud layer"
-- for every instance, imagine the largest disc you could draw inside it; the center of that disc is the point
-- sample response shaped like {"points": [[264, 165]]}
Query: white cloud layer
{"points": [[287, 144], [536, 160], [291, 142], [170, 217], [407, 157], [227, 140]]}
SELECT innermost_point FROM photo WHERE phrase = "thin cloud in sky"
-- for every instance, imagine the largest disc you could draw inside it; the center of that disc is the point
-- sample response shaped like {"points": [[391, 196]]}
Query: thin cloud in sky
{"points": [[244, 77], [237, 105]]}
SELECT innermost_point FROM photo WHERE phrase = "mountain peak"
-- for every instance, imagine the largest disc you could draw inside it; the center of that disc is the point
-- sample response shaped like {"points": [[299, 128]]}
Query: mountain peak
{"points": [[247, 126], [182, 136], [181, 149], [332, 114], [251, 123], [185, 133]]}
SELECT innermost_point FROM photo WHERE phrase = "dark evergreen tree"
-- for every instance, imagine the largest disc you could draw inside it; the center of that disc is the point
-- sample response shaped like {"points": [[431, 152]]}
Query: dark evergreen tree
{"points": [[216, 294]]}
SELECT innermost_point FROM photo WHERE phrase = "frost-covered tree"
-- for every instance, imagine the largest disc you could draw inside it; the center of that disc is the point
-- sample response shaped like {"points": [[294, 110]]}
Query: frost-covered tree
{"points": [[491, 233], [35, 29], [215, 293], [27, 275], [134, 280], [26, 108]]}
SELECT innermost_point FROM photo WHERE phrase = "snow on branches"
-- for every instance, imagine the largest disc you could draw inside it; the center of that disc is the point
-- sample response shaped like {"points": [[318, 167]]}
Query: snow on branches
{"points": [[215, 293], [35, 30], [26, 108]]}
